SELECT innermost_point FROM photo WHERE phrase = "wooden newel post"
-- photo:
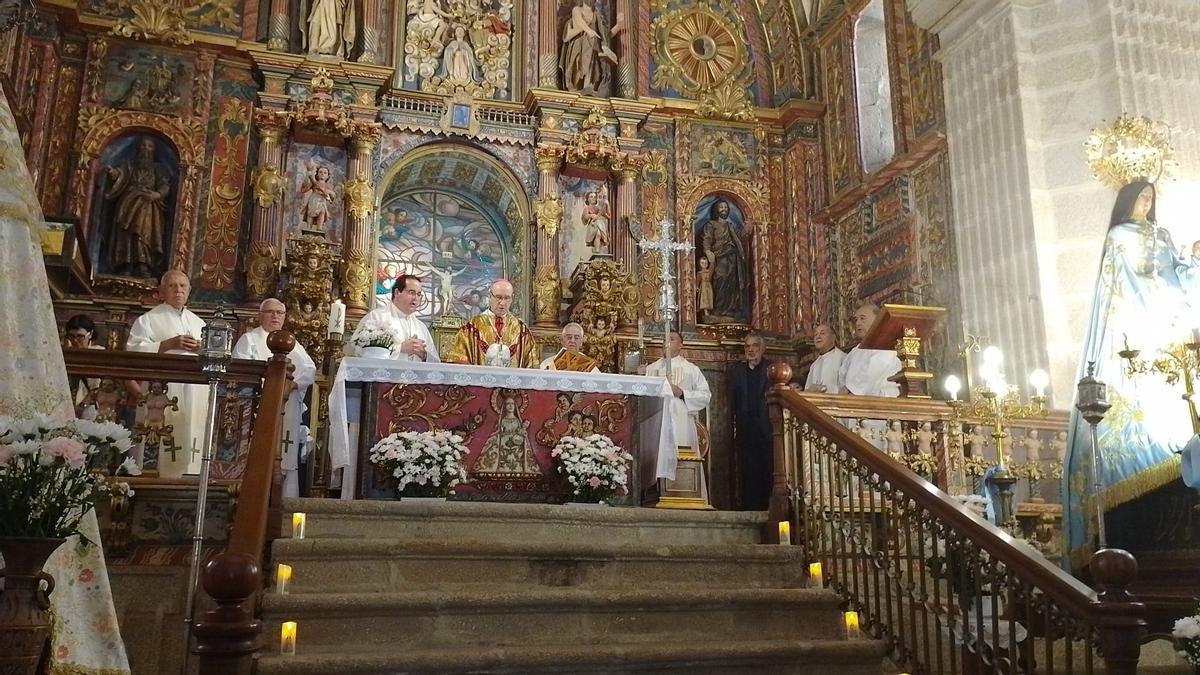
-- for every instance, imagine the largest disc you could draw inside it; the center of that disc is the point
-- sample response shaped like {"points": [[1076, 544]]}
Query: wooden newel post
{"points": [[1123, 624], [227, 637], [778, 510]]}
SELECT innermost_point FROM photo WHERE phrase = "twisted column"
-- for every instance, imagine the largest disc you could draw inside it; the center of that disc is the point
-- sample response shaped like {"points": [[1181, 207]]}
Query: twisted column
{"points": [[266, 225], [278, 26], [548, 44], [370, 32], [548, 213], [360, 205], [627, 57]]}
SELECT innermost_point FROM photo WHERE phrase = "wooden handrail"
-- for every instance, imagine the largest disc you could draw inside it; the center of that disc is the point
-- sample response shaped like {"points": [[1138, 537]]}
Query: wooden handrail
{"points": [[1117, 617], [123, 365]]}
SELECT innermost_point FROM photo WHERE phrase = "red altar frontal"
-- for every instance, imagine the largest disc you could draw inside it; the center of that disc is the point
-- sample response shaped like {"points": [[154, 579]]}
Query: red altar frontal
{"points": [[510, 420]]}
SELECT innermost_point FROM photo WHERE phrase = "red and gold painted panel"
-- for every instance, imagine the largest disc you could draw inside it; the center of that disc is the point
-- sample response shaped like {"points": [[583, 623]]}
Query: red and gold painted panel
{"points": [[219, 259], [510, 434]]}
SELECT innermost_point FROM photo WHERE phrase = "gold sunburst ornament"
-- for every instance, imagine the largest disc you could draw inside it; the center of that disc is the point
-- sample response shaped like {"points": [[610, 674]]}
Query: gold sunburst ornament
{"points": [[700, 52], [1129, 149], [703, 47]]}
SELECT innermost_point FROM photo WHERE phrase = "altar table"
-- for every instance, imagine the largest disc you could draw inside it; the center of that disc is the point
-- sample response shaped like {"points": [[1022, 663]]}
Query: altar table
{"points": [[476, 398]]}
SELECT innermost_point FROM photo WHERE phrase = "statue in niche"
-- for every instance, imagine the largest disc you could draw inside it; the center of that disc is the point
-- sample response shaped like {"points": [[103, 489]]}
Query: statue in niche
{"points": [[585, 59], [316, 195], [721, 244], [704, 280], [458, 59], [594, 219], [331, 28], [139, 193]]}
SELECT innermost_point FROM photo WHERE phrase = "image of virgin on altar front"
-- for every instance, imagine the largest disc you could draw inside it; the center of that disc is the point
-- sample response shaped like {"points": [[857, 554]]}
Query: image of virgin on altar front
{"points": [[493, 407]]}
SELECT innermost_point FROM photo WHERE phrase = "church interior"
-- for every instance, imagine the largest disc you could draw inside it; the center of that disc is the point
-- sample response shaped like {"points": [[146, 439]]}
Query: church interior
{"points": [[601, 335]]}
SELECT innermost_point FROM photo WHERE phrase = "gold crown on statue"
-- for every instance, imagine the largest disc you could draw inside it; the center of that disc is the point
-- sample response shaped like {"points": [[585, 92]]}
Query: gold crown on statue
{"points": [[1129, 149]]}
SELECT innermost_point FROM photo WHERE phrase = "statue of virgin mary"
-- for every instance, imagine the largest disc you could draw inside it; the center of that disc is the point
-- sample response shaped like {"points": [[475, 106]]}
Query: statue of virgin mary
{"points": [[1138, 303]]}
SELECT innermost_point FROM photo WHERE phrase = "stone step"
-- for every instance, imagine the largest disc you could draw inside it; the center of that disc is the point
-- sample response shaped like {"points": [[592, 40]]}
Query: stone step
{"points": [[328, 565], [705, 657], [527, 523], [473, 619]]}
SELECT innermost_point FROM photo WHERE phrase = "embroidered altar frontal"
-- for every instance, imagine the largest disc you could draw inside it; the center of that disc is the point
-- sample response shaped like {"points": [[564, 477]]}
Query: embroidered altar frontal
{"points": [[510, 434]]}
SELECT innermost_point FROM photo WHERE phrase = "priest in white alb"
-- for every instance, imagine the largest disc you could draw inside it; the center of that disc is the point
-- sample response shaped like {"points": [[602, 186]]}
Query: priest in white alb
{"points": [[414, 342], [172, 328], [253, 345], [690, 388], [865, 372], [569, 357], [823, 373]]}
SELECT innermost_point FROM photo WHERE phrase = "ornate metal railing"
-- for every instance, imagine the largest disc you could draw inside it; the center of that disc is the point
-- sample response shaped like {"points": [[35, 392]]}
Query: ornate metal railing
{"points": [[946, 590]]}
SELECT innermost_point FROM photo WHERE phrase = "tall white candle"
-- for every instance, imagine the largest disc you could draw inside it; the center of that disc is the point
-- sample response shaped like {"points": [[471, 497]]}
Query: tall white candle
{"points": [[337, 317]]}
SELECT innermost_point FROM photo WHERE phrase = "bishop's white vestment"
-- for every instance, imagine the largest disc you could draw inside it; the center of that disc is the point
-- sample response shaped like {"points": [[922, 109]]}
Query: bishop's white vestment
{"points": [[389, 317], [696, 395], [823, 374], [253, 345], [865, 372], [149, 330]]}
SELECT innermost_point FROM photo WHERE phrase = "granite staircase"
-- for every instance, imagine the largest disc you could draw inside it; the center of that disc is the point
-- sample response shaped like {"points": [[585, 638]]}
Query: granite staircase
{"points": [[459, 587]]}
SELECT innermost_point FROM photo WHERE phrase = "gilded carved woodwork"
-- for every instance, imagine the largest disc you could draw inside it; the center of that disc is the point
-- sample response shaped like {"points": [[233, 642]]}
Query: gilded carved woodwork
{"points": [[268, 184], [262, 265], [228, 175], [153, 21], [321, 111], [547, 295], [356, 278], [548, 210], [604, 296], [308, 292], [360, 197], [700, 52]]}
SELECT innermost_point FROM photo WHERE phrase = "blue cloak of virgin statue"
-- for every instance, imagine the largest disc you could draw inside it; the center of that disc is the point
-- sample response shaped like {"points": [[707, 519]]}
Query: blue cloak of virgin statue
{"points": [[1138, 303]]}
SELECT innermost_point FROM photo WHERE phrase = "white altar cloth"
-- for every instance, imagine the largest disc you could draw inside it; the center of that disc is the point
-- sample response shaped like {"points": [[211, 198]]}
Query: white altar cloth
{"points": [[658, 451]]}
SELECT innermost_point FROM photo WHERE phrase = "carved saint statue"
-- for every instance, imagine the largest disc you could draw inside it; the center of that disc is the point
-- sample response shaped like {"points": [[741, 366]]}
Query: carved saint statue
{"points": [[316, 195], [429, 23], [331, 28], [585, 50], [139, 191], [721, 244], [594, 219], [458, 59]]}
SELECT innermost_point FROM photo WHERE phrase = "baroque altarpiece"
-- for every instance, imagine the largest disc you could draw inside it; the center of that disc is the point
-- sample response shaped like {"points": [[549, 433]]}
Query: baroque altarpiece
{"points": [[315, 149]]}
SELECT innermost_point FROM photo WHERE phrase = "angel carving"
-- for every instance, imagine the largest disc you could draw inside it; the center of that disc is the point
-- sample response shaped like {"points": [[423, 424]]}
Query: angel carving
{"points": [[316, 197]]}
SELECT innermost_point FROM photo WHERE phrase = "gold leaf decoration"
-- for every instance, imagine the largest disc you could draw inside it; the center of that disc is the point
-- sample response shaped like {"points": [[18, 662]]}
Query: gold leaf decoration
{"points": [[1129, 149]]}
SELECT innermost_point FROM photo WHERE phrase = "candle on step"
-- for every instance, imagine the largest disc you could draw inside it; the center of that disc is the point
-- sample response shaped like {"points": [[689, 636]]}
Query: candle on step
{"points": [[816, 578], [283, 575], [287, 638], [298, 522], [785, 533], [852, 628]]}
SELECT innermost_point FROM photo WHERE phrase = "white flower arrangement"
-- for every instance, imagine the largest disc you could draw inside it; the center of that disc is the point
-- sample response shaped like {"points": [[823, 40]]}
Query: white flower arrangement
{"points": [[1187, 638], [595, 468], [51, 472], [374, 337], [422, 463]]}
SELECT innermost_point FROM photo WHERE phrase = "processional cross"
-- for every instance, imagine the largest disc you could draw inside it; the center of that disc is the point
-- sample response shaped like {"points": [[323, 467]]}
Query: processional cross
{"points": [[666, 246]]}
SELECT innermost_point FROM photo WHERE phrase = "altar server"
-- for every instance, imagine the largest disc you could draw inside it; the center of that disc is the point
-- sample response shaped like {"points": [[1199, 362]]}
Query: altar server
{"points": [[569, 357], [690, 388], [253, 345], [414, 343], [171, 328]]}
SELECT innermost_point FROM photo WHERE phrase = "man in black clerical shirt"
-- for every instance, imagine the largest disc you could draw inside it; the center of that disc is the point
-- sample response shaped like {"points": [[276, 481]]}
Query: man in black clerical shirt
{"points": [[751, 424]]}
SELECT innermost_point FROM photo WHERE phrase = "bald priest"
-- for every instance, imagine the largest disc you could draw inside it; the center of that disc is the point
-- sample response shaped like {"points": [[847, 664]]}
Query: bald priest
{"points": [[569, 357], [496, 337]]}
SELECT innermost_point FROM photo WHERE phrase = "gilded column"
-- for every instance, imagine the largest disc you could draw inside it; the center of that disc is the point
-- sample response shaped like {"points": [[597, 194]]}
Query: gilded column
{"points": [[266, 225], [622, 241], [548, 44], [278, 26], [370, 32], [360, 205], [548, 213]]}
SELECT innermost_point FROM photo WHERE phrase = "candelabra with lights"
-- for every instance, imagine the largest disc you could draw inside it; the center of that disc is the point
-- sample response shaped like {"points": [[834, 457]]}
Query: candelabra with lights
{"points": [[997, 404], [1178, 362]]}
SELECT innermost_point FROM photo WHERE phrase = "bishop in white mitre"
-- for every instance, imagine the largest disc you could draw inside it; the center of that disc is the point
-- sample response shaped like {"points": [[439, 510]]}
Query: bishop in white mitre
{"points": [[823, 373], [171, 328], [413, 340], [253, 345], [690, 388], [865, 372]]}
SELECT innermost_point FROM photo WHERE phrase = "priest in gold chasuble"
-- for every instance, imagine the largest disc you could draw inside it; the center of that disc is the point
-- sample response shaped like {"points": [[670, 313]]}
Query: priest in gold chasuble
{"points": [[569, 357], [495, 338]]}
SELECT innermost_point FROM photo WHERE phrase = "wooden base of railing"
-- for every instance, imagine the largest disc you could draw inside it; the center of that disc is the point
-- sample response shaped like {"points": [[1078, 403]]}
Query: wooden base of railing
{"points": [[1114, 571], [227, 637]]}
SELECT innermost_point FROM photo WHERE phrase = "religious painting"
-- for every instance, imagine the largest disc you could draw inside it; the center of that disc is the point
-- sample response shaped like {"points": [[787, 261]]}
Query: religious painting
{"points": [[724, 276], [586, 61], [453, 46], [585, 233], [721, 152], [134, 207], [460, 116], [509, 434], [171, 20], [138, 78], [315, 202], [449, 242]]}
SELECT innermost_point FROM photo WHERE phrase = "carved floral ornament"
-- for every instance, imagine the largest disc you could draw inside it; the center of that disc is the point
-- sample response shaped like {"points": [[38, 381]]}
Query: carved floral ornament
{"points": [[548, 210], [701, 53], [268, 186], [360, 197]]}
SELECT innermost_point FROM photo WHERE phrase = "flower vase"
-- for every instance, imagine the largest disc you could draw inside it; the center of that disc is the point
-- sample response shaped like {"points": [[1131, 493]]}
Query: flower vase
{"points": [[24, 605], [376, 353]]}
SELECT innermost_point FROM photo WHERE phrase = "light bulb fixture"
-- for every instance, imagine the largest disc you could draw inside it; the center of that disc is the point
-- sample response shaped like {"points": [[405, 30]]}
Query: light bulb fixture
{"points": [[1039, 380], [993, 356], [953, 385]]}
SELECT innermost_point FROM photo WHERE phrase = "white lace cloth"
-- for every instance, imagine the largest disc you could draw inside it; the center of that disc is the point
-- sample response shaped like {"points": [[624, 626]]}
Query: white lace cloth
{"points": [[657, 452]]}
